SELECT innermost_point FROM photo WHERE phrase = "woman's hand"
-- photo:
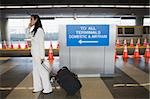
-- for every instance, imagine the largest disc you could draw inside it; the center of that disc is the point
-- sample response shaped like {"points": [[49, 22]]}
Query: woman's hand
{"points": [[30, 25], [42, 60]]}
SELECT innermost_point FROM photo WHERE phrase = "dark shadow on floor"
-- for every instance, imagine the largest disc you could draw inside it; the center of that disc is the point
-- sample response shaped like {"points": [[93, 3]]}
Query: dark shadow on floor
{"points": [[125, 92], [140, 63], [14, 76]]}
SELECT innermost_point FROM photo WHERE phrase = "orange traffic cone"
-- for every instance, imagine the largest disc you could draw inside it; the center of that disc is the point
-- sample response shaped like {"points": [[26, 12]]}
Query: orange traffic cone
{"points": [[26, 45], [145, 42], [131, 43], [11, 45], [138, 42], [125, 52], [0, 45], [57, 45], [116, 55], [117, 43], [4, 44], [19, 46], [51, 45], [136, 61], [125, 60], [136, 52], [125, 42], [147, 52], [147, 60], [50, 55]]}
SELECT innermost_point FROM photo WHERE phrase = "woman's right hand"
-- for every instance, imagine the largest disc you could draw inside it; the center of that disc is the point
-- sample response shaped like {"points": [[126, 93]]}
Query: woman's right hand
{"points": [[30, 25]]}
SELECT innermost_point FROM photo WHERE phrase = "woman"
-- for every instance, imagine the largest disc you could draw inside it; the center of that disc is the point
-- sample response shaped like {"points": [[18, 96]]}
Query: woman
{"points": [[40, 74]]}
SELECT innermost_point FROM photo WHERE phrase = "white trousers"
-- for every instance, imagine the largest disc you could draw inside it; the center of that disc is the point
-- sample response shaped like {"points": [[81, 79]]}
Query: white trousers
{"points": [[40, 76]]}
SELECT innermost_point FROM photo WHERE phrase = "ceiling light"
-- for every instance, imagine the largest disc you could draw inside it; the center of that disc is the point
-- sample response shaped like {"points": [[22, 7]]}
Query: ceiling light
{"points": [[60, 6], [12, 6], [147, 6], [29, 6], [76, 6], [91, 6], [121, 6], [107, 6], [44, 6], [136, 6]]}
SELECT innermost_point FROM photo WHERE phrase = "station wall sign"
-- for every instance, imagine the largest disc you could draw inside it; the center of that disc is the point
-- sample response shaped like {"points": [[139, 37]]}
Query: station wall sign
{"points": [[87, 35]]}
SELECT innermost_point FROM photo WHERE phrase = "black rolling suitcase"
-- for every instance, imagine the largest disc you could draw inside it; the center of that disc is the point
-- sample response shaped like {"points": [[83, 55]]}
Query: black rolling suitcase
{"points": [[68, 81]]}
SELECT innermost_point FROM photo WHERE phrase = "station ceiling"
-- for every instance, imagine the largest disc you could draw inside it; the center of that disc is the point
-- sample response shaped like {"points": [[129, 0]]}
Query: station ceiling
{"points": [[55, 2], [74, 11]]}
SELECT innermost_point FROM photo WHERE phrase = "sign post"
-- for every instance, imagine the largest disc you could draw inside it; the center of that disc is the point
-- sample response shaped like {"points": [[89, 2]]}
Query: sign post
{"points": [[88, 49]]}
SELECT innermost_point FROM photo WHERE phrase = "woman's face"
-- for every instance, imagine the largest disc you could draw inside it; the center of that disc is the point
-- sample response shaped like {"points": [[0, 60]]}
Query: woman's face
{"points": [[32, 21]]}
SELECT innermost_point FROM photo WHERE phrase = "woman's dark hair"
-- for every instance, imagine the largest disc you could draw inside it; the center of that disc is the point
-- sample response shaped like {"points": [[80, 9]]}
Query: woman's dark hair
{"points": [[37, 24]]}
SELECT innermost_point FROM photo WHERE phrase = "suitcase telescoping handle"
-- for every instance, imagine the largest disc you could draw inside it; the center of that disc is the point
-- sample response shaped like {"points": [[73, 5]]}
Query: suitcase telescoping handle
{"points": [[44, 65]]}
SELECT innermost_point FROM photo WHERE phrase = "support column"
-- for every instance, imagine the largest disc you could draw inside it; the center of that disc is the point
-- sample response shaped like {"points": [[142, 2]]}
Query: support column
{"points": [[0, 25], [139, 21], [3, 30]]}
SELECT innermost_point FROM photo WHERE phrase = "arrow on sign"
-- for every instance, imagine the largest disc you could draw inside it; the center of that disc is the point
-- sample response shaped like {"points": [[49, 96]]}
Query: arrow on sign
{"points": [[80, 41]]}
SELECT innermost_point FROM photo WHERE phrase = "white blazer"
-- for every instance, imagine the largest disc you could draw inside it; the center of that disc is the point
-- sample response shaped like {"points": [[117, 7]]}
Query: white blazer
{"points": [[37, 43]]}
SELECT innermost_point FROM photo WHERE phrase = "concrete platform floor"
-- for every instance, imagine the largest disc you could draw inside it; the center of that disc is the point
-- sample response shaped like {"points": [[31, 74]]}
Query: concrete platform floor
{"points": [[131, 81]]}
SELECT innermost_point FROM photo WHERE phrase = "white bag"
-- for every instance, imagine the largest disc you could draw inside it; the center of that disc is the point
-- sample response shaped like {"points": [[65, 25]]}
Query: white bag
{"points": [[46, 64], [55, 66]]}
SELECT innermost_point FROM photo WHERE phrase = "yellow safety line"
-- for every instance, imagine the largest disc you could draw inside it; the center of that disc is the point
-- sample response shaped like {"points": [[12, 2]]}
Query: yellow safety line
{"points": [[131, 85], [22, 88], [129, 47], [9, 49]]}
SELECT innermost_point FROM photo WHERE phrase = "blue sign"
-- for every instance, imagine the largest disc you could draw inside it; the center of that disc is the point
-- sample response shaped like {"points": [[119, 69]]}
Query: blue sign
{"points": [[87, 35]]}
